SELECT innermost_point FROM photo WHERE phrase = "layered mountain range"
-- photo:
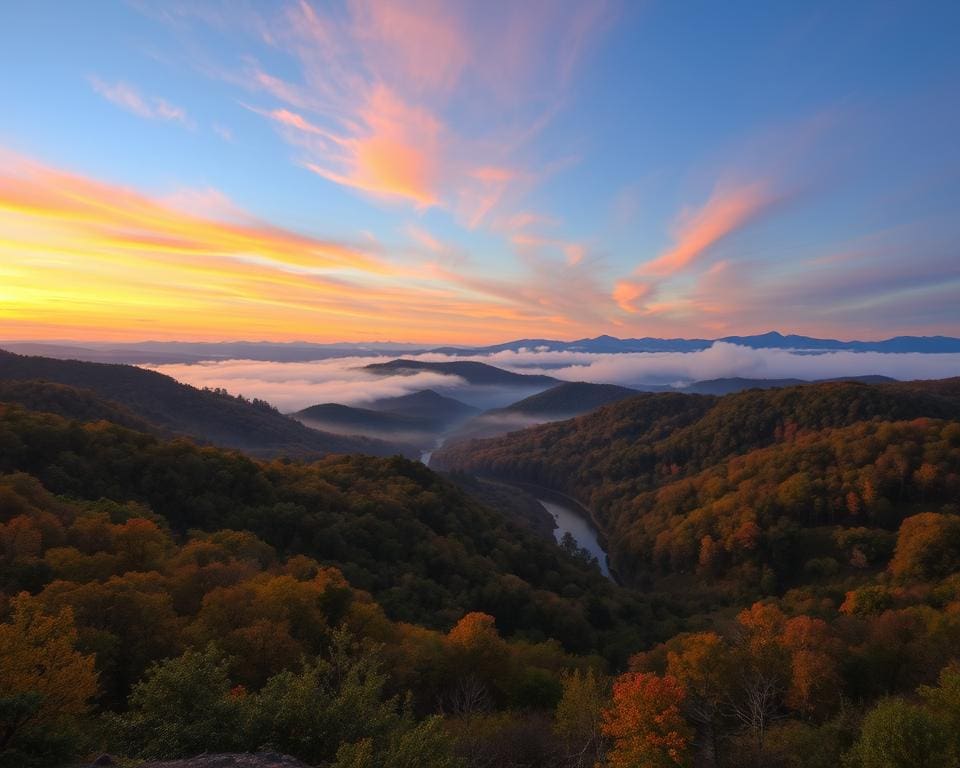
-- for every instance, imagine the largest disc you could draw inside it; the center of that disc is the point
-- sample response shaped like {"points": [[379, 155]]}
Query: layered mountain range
{"points": [[160, 352]]}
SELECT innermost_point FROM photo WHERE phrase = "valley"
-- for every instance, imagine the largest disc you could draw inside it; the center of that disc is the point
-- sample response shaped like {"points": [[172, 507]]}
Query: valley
{"points": [[450, 384], [544, 542]]}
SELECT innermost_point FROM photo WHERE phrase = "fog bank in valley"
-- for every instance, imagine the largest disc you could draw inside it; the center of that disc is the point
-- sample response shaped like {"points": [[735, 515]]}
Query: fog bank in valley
{"points": [[291, 386]]}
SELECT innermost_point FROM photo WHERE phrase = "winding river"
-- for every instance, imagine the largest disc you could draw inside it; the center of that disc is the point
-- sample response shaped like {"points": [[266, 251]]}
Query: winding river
{"points": [[573, 521], [569, 516]]}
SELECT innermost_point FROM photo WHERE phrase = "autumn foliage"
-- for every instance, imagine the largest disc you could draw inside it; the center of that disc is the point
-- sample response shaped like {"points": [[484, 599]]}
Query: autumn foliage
{"points": [[645, 723], [797, 600], [44, 681]]}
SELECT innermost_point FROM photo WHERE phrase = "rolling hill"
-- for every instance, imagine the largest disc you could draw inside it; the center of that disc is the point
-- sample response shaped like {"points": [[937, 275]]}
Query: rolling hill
{"points": [[560, 402], [71, 403], [415, 419], [348, 420], [208, 416], [426, 405], [569, 399], [474, 373]]}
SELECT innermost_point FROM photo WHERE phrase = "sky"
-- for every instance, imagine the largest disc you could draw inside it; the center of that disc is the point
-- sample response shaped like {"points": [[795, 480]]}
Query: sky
{"points": [[441, 172]]}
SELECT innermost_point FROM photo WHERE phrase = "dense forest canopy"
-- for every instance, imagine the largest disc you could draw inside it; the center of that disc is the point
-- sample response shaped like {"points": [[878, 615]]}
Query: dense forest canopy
{"points": [[793, 556], [750, 484]]}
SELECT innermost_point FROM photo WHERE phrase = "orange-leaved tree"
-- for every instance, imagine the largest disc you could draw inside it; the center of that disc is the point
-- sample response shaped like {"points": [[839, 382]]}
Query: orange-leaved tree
{"points": [[44, 679], [645, 723]]}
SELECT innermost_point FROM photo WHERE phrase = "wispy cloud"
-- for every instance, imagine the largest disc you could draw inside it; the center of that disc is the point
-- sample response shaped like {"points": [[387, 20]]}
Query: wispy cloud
{"points": [[626, 293], [129, 98], [729, 208], [377, 103], [425, 239], [397, 154]]}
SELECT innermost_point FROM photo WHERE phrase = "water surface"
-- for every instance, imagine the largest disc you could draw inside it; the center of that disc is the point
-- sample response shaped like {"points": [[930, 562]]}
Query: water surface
{"points": [[571, 520]]}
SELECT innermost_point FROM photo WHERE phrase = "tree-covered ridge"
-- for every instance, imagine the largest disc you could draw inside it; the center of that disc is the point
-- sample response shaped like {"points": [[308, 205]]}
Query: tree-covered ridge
{"points": [[217, 642], [427, 552], [570, 398], [780, 515], [189, 599], [629, 444], [71, 403], [210, 416], [664, 472]]}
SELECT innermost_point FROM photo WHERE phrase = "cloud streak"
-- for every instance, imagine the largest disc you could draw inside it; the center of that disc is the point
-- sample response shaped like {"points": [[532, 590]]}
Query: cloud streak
{"points": [[81, 256], [129, 98], [729, 208]]}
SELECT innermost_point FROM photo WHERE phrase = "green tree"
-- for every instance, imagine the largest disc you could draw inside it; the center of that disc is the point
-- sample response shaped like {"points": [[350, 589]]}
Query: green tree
{"points": [[331, 700], [579, 717], [408, 745], [182, 707], [944, 699], [897, 734]]}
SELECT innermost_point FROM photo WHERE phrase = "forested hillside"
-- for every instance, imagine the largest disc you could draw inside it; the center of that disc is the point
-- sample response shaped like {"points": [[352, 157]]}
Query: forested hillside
{"points": [[569, 399], [797, 601], [748, 486], [210, 416], [426, 551]]}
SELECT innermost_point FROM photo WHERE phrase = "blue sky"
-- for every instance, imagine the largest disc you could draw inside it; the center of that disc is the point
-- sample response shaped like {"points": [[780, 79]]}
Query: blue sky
{"points": [[455, 172]]}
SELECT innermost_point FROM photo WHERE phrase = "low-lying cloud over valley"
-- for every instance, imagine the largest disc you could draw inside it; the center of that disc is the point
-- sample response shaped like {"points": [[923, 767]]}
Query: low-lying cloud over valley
{"points": [[291, 386]]}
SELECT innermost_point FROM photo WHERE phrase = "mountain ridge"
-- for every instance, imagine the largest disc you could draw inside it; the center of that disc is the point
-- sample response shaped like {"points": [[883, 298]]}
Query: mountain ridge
{"points": [[158, 352], [475, 373], [206, 415]]}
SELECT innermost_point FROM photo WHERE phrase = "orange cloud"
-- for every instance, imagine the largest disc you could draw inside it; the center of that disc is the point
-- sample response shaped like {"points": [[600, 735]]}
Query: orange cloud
{"points": [[122, 218], [574, 253], [728, 209], [626, 293], [397, 156], [83, 259]]}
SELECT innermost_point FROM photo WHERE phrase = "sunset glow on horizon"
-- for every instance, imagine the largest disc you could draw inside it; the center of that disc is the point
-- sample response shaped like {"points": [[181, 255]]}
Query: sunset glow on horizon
{"points": [[438, 172]]}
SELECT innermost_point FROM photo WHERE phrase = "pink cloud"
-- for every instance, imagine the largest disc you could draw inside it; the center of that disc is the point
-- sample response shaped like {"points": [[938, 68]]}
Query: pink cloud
{"points": [[626, 293], [398, 154], [422, 44], [280, 89], [129, 98], [575, 253], [379, 80], [729, 208], [425, 239], [286, 117]]}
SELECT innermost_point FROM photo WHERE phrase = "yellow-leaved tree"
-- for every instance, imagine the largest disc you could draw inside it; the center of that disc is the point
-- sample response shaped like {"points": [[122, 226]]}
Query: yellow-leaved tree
{"points": [[44, 681]]}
